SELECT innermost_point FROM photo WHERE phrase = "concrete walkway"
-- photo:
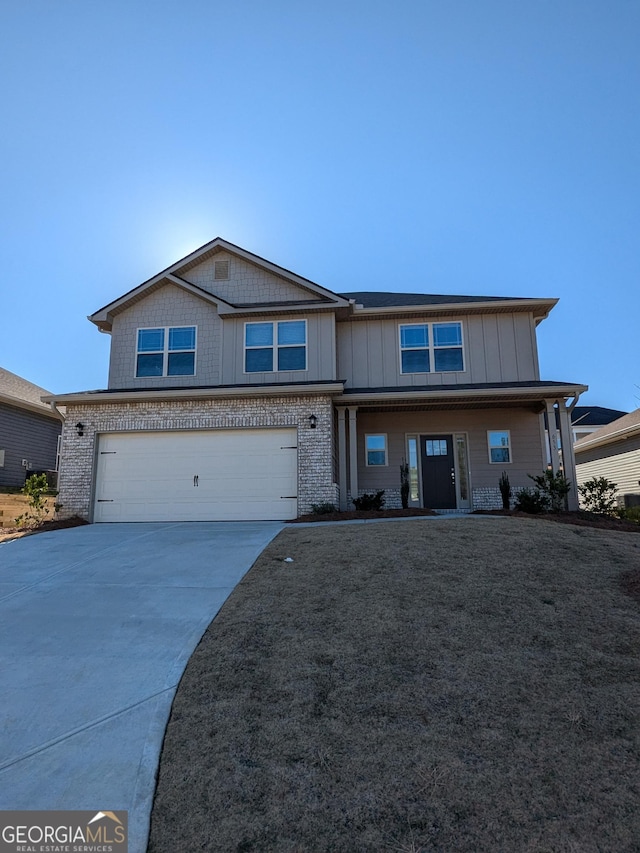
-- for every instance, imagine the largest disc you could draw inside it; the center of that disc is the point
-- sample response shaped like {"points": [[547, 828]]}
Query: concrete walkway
{"points": [[97, 624]]}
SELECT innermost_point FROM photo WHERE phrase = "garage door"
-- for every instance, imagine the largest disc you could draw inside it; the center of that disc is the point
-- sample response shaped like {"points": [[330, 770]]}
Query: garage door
{"points": [[214, 475]]}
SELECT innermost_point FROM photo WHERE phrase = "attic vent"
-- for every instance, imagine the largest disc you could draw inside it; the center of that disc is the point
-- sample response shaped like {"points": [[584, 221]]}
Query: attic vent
{"points": [[221, 270]]}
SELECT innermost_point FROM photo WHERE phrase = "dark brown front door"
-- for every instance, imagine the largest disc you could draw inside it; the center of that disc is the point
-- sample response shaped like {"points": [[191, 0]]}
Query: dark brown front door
{"points": [[438, 471]]}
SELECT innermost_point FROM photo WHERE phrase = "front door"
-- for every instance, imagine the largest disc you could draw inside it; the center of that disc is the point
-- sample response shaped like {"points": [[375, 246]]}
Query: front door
{"points": [[438, 472]]}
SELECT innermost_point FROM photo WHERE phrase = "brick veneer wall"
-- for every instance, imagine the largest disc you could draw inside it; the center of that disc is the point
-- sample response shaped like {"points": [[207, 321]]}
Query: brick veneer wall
{"points": [[315, 446]]}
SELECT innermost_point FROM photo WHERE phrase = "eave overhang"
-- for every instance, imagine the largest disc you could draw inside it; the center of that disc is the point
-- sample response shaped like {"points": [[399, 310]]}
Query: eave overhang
{"points": [[610, 438], [43, 410], [539, 308], [517, 394], [144, 395]]}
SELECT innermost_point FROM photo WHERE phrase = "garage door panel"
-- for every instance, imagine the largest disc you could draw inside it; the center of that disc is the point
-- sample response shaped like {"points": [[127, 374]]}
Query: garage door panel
{"points": [[241, 474]]}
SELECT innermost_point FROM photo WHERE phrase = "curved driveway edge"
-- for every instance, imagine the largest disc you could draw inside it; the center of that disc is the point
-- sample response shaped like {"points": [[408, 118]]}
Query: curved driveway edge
{"points": [[97, 624]]}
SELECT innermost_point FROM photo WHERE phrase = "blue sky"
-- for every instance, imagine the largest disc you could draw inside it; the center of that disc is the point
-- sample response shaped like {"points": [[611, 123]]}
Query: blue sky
{"points": [[459, 146]]}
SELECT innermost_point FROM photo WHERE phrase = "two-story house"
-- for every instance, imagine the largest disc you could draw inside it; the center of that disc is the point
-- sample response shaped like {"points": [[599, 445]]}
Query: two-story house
{"points": [[240, 390]]}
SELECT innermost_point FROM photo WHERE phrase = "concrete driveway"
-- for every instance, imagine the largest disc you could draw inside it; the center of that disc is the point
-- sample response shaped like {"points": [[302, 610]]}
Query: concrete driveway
{"points": [[97, 624]]}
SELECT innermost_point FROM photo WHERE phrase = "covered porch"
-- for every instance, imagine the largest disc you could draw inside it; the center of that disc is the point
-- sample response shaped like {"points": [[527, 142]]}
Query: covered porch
{"points": [[455, 441]]}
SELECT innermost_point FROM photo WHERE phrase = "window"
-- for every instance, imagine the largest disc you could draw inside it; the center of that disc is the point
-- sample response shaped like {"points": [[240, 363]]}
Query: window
{"points": [[376, 449], [499, 446], [169, 351], [431, 347], [283, 344]]}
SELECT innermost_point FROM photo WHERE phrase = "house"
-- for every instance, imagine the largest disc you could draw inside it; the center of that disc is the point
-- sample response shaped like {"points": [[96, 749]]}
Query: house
{"points": [[588, 419], [240, 390], [613, 452], [29, 430]]}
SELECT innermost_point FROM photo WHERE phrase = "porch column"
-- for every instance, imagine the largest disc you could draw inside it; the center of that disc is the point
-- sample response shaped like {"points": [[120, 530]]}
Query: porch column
{"points": [[553, 436], [342, 457], [568, 456], [353, 453]]}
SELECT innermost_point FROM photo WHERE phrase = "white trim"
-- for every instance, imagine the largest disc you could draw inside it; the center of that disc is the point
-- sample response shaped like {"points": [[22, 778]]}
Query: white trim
{"points": [[165, 351], [431, 347], [497, 447], [275, 347], [367, 435]]}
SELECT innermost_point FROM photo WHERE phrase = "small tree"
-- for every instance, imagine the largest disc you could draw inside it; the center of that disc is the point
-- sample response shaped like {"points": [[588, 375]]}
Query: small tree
{"points": [[553, 486], [35, 489], [404, 484], [505, 490], [599, 495]]}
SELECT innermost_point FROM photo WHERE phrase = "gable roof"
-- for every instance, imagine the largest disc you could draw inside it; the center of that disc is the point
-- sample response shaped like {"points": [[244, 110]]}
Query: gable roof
{"points": [[622, 428], [318, 295], [18, 392], [594, 415]]}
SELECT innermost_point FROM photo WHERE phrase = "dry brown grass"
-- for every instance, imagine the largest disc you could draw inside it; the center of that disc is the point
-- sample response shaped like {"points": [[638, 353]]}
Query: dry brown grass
{"points": [[433, 685]]}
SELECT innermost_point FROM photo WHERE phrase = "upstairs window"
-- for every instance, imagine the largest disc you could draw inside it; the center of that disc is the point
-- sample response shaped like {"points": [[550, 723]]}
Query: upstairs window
{"points": [[278, 346], [168, 351], [431, 348]]}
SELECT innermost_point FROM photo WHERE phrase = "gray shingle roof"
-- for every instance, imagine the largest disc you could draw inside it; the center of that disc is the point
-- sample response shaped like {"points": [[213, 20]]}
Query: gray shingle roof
{"points": [[594, 415], [385, 299], [15, 386]]}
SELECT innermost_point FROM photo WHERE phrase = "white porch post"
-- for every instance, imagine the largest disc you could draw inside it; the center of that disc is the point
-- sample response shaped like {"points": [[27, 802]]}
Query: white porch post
{"points": [[342, 457], [568, 456], [553, 436], [353, 453]]}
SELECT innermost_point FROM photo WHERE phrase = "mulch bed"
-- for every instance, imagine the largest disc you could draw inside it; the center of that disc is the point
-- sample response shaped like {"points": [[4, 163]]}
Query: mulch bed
{"points": [[580, 519], [7, 533], [355, 515]]}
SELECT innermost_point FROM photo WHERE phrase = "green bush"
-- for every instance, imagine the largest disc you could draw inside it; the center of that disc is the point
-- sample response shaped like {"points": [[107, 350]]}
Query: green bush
{"points": [[554, 487], [323, 509], [629, 513], [370, 501], [531, 501], [505, 490], [35, 488], [599, 495]]}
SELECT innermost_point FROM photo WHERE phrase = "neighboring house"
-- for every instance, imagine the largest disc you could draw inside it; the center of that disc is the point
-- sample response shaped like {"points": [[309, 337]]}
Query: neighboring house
{"points": [[613, 452], [588, 419], [29, 430], [240, 390]]}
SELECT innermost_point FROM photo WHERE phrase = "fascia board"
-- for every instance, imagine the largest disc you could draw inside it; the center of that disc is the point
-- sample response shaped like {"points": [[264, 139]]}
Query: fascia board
{"points": [[83, 398], [17, 403], [542, 392], [610, 438], [539, 307]]}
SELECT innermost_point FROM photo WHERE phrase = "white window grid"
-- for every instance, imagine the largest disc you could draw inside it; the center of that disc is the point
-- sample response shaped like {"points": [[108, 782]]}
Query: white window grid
{"points": [[274, 347], [165, 351], [431, 347]]}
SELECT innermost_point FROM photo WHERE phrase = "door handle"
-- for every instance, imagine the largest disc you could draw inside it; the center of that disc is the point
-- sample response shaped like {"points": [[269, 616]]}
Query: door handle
{"points": [[195, 480]]}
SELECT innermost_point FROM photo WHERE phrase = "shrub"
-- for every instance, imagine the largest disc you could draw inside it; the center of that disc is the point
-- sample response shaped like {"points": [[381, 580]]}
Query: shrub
{"points": [[505, 490], [629, 513], [323, 509], [599, 495], [370, 501], [404, 484], [35, 489], [554, 487], [532, 501]]}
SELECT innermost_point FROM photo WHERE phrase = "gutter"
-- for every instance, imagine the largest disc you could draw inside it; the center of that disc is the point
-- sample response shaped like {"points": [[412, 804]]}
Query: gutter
{"points": [[141, 395], [536, 393], [589, 444]]}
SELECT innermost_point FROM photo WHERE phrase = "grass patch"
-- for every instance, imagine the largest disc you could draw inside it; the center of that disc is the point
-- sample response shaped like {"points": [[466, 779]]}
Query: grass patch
{"points": [[467, 685]]}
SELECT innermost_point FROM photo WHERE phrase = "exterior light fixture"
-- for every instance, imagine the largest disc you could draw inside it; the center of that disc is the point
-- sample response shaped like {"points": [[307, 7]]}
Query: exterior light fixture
{"points": [[313, 420], [80, 428]]}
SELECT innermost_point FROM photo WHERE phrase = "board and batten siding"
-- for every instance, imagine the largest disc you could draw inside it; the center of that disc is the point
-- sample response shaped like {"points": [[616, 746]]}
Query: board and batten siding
{"points": [[165, 307], [618, 462], [526, 445], [321, 344], [26, 435], [497, 348]]}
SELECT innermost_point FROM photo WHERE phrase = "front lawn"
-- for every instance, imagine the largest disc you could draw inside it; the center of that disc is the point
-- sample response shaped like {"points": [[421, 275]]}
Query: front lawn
{"points": [[430, 685]]}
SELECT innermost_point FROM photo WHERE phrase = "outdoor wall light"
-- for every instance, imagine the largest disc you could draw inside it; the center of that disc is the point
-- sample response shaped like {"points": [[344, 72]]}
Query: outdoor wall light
{"points": [[80, 428], [313, 420]]}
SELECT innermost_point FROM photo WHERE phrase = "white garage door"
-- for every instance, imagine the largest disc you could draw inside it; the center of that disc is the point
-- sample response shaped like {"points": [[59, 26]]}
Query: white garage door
{"points": [[213, 475]]}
